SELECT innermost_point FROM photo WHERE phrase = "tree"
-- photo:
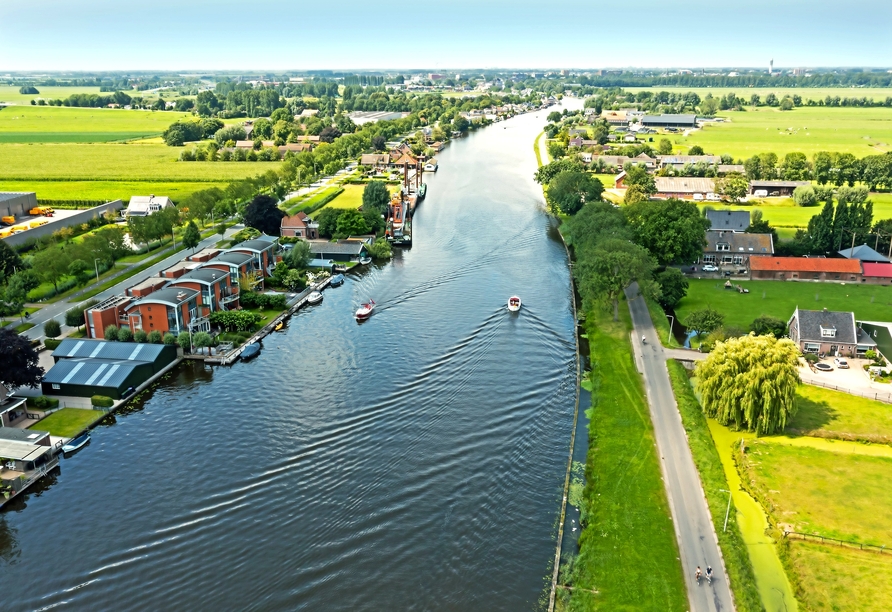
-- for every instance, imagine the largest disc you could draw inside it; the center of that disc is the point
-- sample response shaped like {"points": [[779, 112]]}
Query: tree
{"points": [[202, 340], [665, 147], [210, 126], [758, 225], [379, 143], [820, 230], [786, 104], [298, 256], [19, 361], [184, 339], [380, 249], [125, 334], [232, 132], [796, 167], [546, 173], [351, 223], [79, 270], [696, 150], [704, 321], [766, 324], [154, 337], [556, 150], [673, 287], [553, 117], [51, 265], [74, 317], [734, 185], [169, 339], [9, 260], [569, 191], [191, 237], [804, 195], [635, 194], [672, 230], [823, 164], [17, 289], [329, 134], [375, 197], [111, 333], [263, 214], [606, 271], [460, 124], [52, 329], [637, 176], [750, 383]]}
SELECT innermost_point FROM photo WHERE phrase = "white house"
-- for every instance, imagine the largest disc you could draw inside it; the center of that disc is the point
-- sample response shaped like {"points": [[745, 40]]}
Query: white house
{"points": [[143, 206]]}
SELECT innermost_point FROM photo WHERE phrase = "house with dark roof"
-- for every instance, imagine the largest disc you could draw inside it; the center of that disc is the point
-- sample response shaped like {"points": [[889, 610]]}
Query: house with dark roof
{"points": [[237, 264], [864, 253], [666, 121], [724, 169], [728, 220], [805, 269], [263, 249], [828, 332], [680, 161], [341, 250], [725, 248], [215, 288], [684, 187], [775, 188]]}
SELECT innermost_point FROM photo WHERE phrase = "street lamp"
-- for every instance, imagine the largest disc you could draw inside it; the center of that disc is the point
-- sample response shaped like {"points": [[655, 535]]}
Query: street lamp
{"points": [[728, 511], [96, 265], [671, 323]]}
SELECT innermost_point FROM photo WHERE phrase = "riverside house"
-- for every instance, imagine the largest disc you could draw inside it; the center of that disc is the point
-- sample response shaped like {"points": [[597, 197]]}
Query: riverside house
{"points": [[828, 332]]}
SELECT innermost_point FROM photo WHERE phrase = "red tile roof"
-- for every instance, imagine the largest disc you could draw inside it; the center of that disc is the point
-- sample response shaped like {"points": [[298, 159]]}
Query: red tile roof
{"points": [[805, 264], [883, 270]]}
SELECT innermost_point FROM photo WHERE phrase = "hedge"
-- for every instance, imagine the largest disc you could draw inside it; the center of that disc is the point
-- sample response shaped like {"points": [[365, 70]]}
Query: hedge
{"points": [[102, 401], [42, 402], [52, 343], [264, 301]]}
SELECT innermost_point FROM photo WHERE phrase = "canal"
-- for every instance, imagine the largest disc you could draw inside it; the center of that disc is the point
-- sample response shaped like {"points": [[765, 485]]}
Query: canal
{"points": [[413, 462]]}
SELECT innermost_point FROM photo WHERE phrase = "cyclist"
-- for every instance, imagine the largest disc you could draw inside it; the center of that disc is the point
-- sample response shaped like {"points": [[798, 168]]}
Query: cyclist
{"points": [[709, 573], [698, 574], [643, 340]]}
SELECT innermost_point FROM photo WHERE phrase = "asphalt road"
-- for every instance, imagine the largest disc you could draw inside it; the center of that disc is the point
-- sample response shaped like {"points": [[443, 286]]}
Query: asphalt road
{"points": [[693, 527]]}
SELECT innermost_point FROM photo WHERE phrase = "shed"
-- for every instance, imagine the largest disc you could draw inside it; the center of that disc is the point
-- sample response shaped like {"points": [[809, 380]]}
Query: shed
{"points": [[85, 377], [159, 356]]}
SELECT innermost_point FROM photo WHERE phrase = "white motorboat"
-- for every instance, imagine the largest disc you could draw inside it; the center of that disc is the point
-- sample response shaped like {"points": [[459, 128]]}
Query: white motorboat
{"points": [[76, 443], [314, 298], [514, 303], [365, 261], [365, 311]]}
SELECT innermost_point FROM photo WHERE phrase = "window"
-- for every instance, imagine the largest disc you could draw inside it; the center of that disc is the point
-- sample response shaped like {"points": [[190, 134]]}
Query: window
{"points": [[828, 332], [811, 347], [709, 259], [738, 260], [57, 386], [723, 246]]}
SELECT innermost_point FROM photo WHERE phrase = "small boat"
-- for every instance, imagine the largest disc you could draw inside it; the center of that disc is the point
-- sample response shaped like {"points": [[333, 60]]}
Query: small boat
{"points": [[337, 280], [514, 303], [251, 351], [421, 191], [314, 298], [76, 443], [338, 268], [365, 311], [279, 325], [365, 260]]}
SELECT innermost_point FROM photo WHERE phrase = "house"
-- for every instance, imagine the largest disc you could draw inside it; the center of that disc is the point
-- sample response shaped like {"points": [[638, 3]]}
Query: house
{"points": [[27, 456], [294, 147], [726, 248], [300, 226], [669, 121], [775, 188], [263, 250], [828, 332], [610, 161], [680, 161], [237, 264], [341, 250], [12, 409], [110, 311], [374, 160], [877, 273], [729, 220], [686, 187], [805, 269], [573, 132], [864, 253], [143, 206], [576, 142], [309, 138], [615, 117], [172, 309], [216, 291]]}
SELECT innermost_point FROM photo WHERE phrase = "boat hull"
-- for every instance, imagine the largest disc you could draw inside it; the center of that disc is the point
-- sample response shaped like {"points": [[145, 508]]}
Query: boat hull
{"points": [[514, 303], [75, 444]]}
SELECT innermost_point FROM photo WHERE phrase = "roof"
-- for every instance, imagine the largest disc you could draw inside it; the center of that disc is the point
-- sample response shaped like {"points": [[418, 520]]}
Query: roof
{"points": [[21, 451], [688, 159], [757, 184], [91, 372], [669, 119], [201, 275], [299, 220], [729, 168], [14, 434], [152, 281], [684, 184], [373, 159], [738, 242], [734, 220], [254, 245], [405, 160], [812, 321], [351, 247], [102, 349], [805, 264], [169, 295], [12, 195], [880, 270], [232, 258], [145, 205], [864, 253]]}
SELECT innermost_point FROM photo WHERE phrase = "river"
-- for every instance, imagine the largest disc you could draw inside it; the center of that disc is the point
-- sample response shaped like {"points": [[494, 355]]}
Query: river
{"points": [[413, 462]]}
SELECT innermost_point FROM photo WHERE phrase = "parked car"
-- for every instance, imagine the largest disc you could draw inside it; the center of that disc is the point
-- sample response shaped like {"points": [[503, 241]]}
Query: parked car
{"points": [[841, 363], [824, 367], [710, 268]]}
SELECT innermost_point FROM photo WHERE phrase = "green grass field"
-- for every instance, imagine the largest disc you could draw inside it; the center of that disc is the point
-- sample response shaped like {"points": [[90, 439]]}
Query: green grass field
{"points": [[30, 124], [869, 302], [106, 190], [835, 579], [350, 198], [837, 495], [68, 422], [627, 550], [813, 93], [861, 131], [828, 413], [10, 93]]}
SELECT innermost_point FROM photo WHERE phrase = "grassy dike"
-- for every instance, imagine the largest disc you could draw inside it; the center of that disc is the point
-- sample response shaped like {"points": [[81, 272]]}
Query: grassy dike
{"points": [[709, 465], [628, 557]]}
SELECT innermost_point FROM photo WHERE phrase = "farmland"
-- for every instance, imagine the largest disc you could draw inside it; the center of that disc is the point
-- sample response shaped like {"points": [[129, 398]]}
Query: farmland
{"points": [[32, 124], [807, 93], [107, 190], [860, 131], [10, 93]]}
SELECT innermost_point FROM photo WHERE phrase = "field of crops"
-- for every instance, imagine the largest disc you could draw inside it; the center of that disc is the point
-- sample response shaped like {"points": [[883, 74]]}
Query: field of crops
{"points": [[807, 93], [33, 124], [106, 190], [10, 93], [861, 131]]}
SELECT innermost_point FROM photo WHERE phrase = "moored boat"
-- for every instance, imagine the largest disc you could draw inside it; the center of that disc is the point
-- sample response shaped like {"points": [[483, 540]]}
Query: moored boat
{"points": [[514, 303], [251, 351], [337, 280], [314, 298], [76, 443], [422, 191], [365, 260], [365, 311]]}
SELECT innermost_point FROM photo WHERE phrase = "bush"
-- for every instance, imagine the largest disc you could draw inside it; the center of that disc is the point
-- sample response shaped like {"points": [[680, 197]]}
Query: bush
{"points": [[111, 333], [42, 402], [170, 339], [250, 299], [125, 335], [52, 329], [74, 317], [139, 336], [101, 401], [154, 337], [185, 341], [805, 195], [811, 358], [235, 320], [380, 249], [52, 344]]}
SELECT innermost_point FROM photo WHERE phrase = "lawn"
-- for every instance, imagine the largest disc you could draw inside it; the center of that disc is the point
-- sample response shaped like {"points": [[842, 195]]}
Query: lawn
{"points": [[351, 197], [31, 124], [835, 579], [807, 93], [627, 550], [780, 299], [838, 495], [826, 413], [68, 422], [861, 131]]}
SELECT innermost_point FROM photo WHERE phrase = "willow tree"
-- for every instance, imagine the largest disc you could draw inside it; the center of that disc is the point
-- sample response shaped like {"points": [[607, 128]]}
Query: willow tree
{"points": [[750, 383]]}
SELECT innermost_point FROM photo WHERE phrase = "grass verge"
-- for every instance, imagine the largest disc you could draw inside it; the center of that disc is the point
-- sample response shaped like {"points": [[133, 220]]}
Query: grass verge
{"points": [[133, 271], [712, 476], [661, 323], [536, 149], [68, 422], [628, 556]]}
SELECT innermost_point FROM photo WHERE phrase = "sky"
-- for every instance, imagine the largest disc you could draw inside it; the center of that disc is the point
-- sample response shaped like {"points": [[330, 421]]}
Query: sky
{"points": [[275, 35]]}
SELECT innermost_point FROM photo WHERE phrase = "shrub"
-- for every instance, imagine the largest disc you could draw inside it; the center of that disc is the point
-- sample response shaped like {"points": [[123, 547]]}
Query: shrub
{"points": [[125, 335], [251, 299], [380, 249], [170, 339], [139, 336], [52, 344], [235, 320], [111, 333], [154, 337], [74, 317], [102, 401], [811, 358], [185, 341], [805, 195], [42, 402], [52, 329]]}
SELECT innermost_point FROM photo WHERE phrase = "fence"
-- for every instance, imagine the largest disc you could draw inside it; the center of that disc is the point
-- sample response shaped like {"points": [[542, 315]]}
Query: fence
{"points": [[880, 397], [795, 535]]}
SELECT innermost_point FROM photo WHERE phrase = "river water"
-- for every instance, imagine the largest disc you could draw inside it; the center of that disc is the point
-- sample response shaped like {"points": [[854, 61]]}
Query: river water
{"points": [[413, 462]]}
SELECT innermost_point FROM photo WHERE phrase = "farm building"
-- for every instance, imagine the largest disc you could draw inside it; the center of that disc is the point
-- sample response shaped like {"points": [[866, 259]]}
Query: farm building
{"points": [[877, 273], [680, 161], [685, 187], [342, 250], [16, 204], [669, 121], [725, 248], [728, 220], [775, 188], [143, 206], [805, 269], [864, 253]]}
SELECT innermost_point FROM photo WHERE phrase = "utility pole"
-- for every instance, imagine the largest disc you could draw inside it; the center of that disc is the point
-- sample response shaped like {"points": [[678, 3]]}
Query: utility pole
{"points": [[96, 265]]}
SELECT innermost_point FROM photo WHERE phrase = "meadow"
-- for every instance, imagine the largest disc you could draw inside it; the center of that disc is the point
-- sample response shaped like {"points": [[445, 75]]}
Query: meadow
{"points": [[10, 93], [860, 131], [351, 197], [107, 190], [807, 93], [32, 124], [827, 413], [780, 299]]}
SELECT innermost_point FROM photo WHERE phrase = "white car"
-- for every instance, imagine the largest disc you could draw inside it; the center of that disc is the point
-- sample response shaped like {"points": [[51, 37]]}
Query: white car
{"points": [[841, 363], [710, 268]]}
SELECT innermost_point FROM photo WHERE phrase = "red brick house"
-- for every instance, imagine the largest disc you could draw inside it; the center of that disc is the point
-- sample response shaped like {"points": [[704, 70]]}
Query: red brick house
{"points": [[172, 309], [300, 226]]}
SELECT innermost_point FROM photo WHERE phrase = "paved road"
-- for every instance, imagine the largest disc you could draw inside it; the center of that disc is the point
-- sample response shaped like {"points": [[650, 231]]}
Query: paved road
{"points": [[693, 525], [57, 309]]}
